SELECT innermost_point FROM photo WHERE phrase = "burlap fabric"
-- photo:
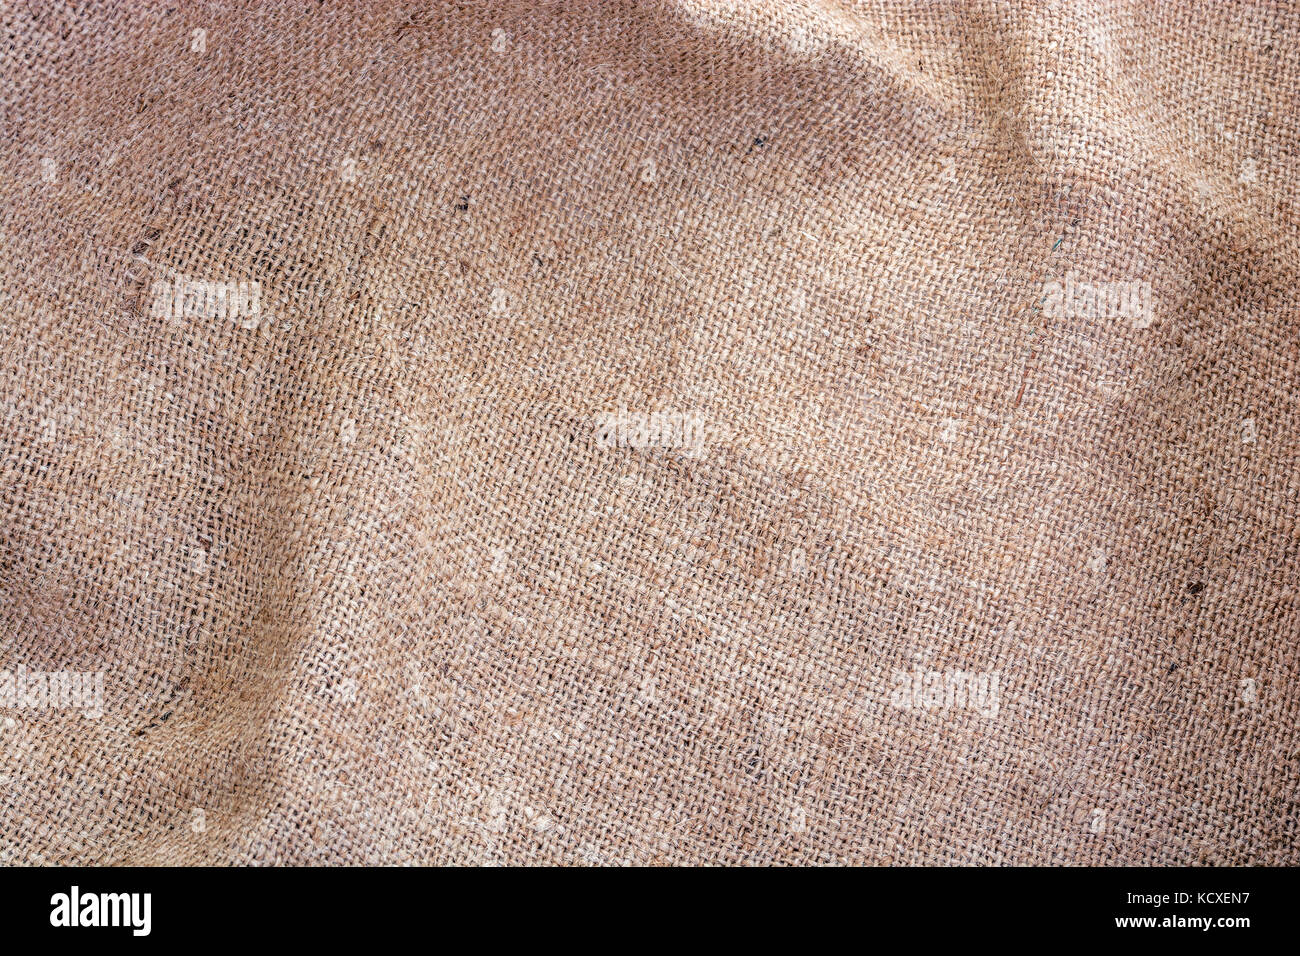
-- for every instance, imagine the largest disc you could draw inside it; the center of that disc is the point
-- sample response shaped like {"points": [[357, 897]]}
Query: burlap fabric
{"points": [[666, 432]]}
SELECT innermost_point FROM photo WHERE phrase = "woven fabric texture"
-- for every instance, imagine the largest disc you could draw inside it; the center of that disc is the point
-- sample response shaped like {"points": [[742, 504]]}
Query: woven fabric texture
{"points": [[649, 433]]}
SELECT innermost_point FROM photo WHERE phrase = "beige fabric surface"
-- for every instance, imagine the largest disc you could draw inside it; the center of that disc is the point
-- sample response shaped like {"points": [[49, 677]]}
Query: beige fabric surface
{"points": [[655, 433]]}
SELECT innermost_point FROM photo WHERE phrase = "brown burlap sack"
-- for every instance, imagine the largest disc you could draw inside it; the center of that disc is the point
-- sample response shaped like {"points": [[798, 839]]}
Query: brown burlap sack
{"points": [[664, 432]]}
